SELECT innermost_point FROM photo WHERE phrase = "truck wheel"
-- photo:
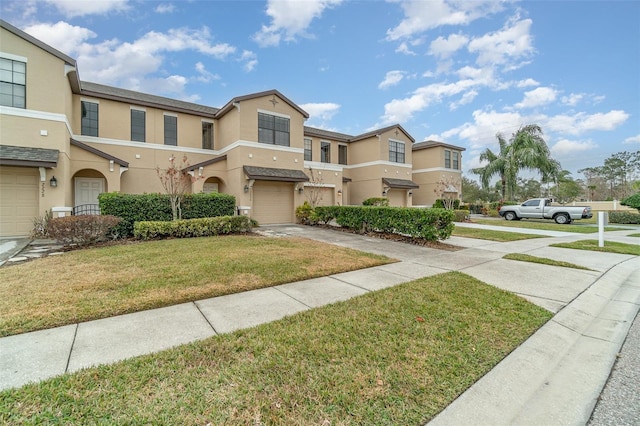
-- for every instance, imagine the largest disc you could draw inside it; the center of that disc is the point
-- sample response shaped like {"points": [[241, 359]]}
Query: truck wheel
{"points": [[562, 219], [510, 216]]}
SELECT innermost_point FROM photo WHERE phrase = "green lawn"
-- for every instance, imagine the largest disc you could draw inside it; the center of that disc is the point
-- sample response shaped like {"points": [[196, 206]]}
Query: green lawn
{"points": [[94, 283], [578, 227], [396, 356], [485, 234], [542, 260], [609, 247]]}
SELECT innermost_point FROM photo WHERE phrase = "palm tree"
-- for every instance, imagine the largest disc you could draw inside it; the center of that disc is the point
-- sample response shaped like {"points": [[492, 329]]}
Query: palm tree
{"points": [[525, 150]]}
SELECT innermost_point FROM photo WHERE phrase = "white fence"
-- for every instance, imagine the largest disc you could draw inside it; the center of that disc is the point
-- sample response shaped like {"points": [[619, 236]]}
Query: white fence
{"points": [[604, 205]]}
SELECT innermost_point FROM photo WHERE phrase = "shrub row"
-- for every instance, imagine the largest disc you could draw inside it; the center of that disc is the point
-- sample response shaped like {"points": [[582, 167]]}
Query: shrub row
{"points": [[376, 201], [81, 230], [439, 204], [626, 218], [157, 207], [188, 228], [430, 224]]}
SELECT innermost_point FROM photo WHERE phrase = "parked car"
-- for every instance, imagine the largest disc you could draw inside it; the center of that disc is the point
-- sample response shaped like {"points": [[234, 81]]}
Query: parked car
{"points": [[541, 208]]}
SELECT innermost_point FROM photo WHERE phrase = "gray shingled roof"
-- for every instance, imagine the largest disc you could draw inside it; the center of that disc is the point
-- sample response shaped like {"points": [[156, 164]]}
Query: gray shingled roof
{"points": [[282, 175], [138, 98], [321, 133], [431, 144], [29, 157], [400, 183], [99, 153]]}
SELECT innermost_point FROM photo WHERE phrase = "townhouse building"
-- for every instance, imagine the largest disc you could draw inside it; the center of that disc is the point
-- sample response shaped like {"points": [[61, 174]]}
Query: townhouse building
{"points": [[63, 141]]}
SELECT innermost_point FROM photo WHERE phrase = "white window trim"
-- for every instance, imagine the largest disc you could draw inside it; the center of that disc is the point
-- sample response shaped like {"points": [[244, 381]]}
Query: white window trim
{"points": [[93, 101], [263, 111], [136, 108], [12, 57], [169, 114]]}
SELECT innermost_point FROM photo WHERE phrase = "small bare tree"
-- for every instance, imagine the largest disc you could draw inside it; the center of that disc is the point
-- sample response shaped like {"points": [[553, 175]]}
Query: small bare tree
{"points": [[313, 193], [448, 189], [176, 182]]}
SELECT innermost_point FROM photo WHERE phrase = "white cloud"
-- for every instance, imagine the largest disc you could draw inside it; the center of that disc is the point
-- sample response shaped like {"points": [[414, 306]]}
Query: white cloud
{"points": [[566, 147], [250, 60], [391, 79], [445, 47], [573, 99], [205, 76], [633, 139], [74, 8], [420, 16], [527, 83], [466, 98], [508, 46], [404, 48], [61, 35], [290, 19], [538, 97], [581, 122], [165, 8], [321, 111]]}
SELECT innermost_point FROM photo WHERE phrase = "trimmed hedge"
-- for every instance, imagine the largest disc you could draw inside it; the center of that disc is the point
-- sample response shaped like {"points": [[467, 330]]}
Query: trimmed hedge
{"points": [[82, 230], [625, 218], [439, 204], [189, 228], [376, 201], [157, 207], [430, 224]]}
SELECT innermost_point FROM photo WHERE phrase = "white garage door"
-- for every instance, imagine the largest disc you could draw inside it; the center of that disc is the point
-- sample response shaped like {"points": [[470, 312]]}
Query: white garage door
{"points": [[272, 202], [18, 200]]}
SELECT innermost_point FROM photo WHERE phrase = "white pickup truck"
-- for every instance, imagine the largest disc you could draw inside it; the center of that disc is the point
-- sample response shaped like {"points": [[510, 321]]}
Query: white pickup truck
{"points": [[541, 208]]}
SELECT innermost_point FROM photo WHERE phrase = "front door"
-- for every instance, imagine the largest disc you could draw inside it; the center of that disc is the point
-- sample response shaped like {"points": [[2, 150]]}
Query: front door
{"points": [[88, 189]]}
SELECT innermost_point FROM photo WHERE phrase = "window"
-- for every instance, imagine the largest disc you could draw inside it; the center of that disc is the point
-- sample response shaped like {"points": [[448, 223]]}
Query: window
{"points": [[170, 130], [273, 130], [325, 152], [342, 154], [89, 122], [207, 135], [13, 83], [456, 160], [138, 125], [447, 159], [307, 150], [396, 151]]}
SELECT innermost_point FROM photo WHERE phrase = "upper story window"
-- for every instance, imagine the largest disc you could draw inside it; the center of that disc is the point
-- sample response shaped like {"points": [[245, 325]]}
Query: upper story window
{"points": [[451, 159], [447, 159], [456, 160], [207, 135], [325, 152], [273, 129], [170, 130], [138, 125], [89, 121], [307, 150], [342, 154], [13, 83], [396, 151]]}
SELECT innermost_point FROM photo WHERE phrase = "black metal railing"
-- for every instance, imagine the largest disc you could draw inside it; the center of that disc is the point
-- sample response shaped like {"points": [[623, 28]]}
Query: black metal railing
{"points": [[86, 209]]}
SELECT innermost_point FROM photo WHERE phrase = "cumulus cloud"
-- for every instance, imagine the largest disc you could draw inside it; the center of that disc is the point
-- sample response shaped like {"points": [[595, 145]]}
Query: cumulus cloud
{"points": [[391, 79], [250, 60], [404, 48], [63, 36], [72, 9], [445, 47], [466, 98], [566, 147], [582, 122], [538, 97], [165, 8], [633, 139], [321, 111], [204, 75], [509, 46], [290, 19], [420, 16], [527, 83]]}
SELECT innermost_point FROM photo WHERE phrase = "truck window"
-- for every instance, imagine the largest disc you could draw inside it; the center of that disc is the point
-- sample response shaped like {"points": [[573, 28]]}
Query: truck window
{"points": [[547, 202]]}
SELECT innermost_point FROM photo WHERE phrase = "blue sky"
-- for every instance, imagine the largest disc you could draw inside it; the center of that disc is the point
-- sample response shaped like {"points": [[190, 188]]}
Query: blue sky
{"points": [[457, 72]]}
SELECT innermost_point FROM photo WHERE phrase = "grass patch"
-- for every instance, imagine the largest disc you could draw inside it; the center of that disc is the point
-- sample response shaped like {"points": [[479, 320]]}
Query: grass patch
{"points": [[634, 235], [396, 356], [542, 260], [609, 247], [486, 234], [83, 285], [547, 225]]}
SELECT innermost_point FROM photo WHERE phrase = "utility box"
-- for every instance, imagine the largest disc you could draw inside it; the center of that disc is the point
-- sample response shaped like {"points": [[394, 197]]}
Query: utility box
{"points": [[244, 210]]}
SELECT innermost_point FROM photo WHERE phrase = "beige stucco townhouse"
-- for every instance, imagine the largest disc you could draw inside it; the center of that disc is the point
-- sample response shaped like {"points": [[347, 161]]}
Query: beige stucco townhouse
{"points": [[63, 141]]}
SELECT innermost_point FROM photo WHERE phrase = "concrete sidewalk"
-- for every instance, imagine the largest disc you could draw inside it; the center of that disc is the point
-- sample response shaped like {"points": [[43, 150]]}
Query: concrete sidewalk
{"points": [[555, 377]]}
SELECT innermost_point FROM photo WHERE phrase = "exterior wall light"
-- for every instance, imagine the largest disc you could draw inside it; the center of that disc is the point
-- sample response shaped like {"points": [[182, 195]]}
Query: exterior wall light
{"points": [[410, 193], [246, 188], [339, 192], [53, 182], [300, 189]]}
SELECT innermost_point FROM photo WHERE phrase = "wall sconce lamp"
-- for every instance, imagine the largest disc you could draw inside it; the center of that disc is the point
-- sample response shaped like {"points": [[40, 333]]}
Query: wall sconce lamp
{"points": [[410, 193], [246, 188], [300, 189], [384, 191], [53, 182], [339, 192]]}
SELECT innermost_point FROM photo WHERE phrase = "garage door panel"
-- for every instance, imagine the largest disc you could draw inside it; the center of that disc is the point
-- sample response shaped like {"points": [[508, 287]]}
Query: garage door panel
{"points": [[18, 200], [273, 202]]}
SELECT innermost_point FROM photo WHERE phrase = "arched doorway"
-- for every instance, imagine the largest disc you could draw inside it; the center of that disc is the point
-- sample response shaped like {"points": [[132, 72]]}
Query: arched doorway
{"points": [[212, 184], [87, 185]]}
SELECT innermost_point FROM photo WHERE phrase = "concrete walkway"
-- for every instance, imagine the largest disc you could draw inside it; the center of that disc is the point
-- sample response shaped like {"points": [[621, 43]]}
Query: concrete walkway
{"points": [[555, 377]]}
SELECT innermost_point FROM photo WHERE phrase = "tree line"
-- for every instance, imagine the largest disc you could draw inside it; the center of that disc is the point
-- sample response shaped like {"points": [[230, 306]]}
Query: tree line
{"points": [[526, 150]]}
